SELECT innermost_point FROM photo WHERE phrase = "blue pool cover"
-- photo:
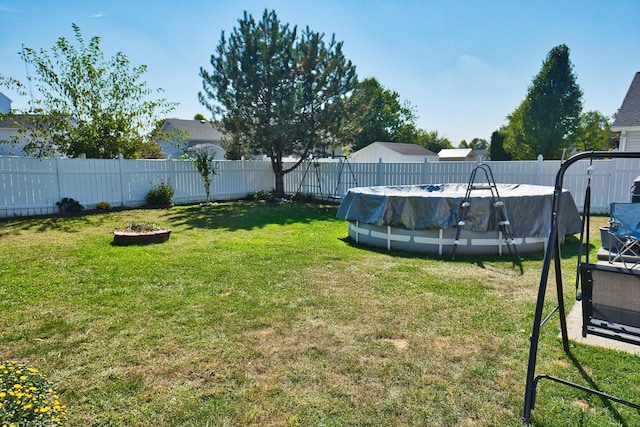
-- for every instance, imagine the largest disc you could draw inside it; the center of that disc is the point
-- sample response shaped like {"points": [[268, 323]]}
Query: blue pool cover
{"points": [[418, 207]]}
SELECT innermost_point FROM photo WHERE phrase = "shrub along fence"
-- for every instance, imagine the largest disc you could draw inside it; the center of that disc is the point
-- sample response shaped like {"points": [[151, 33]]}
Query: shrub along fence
{"points": [[33, 186]]}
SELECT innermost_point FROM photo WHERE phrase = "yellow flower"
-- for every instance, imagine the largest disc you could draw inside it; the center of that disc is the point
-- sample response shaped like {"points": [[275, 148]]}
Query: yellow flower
{"points": [[17, 386]]}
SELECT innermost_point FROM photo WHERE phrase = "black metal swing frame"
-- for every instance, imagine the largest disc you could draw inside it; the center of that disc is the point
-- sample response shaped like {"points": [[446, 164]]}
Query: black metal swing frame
{"points": [[553, 252]]}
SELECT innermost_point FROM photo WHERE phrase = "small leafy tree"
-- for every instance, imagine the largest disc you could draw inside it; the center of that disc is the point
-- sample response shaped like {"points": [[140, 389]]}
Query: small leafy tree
{"points": [[592, 133], [85, 103], [204, 162]]}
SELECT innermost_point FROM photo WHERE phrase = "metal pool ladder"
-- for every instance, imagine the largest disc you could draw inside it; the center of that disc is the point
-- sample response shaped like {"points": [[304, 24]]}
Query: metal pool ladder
{"points": [[497, 203]]}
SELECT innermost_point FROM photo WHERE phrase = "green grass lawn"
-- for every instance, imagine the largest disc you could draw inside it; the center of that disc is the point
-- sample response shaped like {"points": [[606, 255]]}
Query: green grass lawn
{"points": [[267, 314]]}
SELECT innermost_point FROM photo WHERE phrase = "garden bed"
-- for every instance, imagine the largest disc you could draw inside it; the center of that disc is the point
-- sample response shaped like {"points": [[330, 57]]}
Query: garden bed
{"points": [[140, 236]]}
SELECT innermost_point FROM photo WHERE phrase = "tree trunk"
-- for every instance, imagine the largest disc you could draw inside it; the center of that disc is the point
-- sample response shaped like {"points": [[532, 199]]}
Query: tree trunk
{"points": [[276, 165], [279, 190]]}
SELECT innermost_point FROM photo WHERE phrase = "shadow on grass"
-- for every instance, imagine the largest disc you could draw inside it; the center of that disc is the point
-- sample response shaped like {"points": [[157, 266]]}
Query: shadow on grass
{"points": [[68, 223], [590, 383], [247, 215], [229, 215]]}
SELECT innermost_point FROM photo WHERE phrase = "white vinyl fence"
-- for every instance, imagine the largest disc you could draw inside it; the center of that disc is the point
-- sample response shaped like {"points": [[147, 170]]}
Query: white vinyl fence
{"points": [[611, 180], [33, 186]]}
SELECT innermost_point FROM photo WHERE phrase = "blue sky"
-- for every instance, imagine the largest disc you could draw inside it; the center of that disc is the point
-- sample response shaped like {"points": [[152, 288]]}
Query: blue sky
{"points": [[463, 65]]}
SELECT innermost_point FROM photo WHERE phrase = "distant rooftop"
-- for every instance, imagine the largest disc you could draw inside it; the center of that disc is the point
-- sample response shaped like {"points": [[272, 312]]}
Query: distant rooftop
{"points": [[199, 130], [629, 113], [407, 149], [454, 153]]}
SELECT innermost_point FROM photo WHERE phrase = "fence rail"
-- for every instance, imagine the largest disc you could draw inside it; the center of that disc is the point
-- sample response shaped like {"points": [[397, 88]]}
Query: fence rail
{"points": [[33, 186]]}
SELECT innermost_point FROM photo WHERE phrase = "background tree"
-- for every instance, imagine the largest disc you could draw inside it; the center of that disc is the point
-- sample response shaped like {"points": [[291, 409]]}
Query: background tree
{"points": [[274, 91], [549, 113], [430, 140], [496, 148], [593, 132], [235, 148], [475, 144], [377, 114], [86, 104]]}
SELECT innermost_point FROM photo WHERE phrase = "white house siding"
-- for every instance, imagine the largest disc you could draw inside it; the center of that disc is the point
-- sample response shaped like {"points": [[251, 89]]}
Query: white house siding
{"points": [[170, 150], [7, 149], [5, 104], [631, 141]]}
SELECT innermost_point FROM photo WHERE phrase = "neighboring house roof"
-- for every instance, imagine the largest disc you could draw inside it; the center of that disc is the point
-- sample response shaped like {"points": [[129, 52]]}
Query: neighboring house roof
{"points": [[454, 153], [199, 134], [407, 149], [628, 115], [199, 130], [393, 152]]}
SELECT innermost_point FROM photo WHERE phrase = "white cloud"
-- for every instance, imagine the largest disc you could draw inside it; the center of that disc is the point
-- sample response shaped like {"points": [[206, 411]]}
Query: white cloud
{"points": [[97, 15]]}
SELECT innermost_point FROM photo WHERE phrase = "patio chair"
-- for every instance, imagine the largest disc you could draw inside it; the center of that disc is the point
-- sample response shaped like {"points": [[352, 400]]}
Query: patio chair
{"points": [[611, 302], [624, 230]]}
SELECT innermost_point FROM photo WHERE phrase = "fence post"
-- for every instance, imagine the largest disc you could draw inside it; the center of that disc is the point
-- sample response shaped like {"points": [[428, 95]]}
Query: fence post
{"points": [[612, 182], [538, 176], [425, 173], [379, 172], [122, 180], [243, 174], [58, 160]]}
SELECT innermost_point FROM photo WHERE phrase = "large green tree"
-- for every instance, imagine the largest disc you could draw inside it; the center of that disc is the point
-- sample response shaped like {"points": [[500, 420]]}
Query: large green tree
{"points": [[550, 112], [377, 114], [86, 104], [276, 92]]}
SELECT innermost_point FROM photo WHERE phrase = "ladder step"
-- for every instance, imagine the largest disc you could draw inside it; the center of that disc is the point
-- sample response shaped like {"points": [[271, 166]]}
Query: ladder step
{"points": [[496, 202]]}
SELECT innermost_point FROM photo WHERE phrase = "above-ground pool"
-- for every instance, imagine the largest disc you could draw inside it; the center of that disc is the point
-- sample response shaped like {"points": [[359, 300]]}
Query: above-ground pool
{"points": [[423, 218]]}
